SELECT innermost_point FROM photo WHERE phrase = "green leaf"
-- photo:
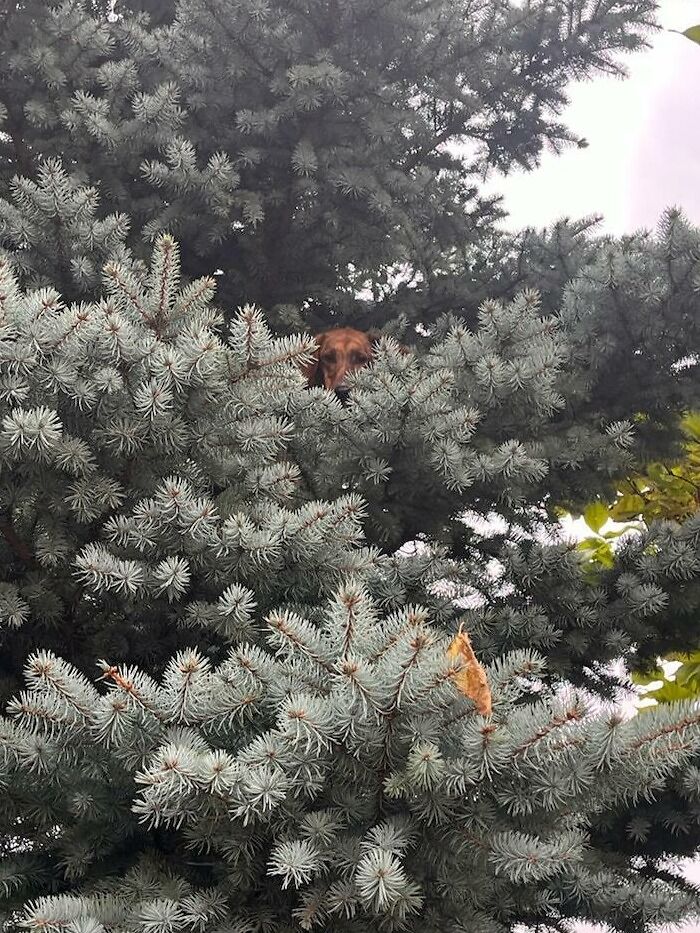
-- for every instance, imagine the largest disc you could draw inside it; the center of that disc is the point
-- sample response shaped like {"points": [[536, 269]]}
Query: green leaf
{"points": [[684, 684], [642, 678], [684, 656], [688, 675], [670, 692], [604, 555], [627, 507], [596, 515], [657, 472], [691, 422], [589, 544], [692, 33]]}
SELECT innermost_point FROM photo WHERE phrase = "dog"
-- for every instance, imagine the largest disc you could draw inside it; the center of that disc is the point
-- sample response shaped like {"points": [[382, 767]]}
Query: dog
{"points": [[341, 351]]}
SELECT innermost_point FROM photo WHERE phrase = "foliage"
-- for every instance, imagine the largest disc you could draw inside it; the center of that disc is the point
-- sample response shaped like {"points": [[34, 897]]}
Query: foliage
{"points": [[272, 583], [665, 491], [683, 685], [298, 717], [317, 137], [661, 492], [692, 33]]}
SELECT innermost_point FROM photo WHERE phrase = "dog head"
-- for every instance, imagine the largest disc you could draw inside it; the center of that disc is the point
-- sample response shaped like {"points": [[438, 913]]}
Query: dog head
{"points": [[341, 351]]}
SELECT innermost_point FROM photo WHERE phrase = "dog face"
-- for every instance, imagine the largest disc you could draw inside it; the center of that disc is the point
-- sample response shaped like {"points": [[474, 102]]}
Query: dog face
{"points": [[340, 351]]}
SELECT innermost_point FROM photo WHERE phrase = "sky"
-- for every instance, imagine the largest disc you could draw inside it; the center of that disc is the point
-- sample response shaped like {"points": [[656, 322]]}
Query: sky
{"points": [[643, 156], [644, 141]]}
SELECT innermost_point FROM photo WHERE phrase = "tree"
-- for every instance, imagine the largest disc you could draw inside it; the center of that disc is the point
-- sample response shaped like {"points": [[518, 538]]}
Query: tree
{"points": [[305, 137], [274, 737]]}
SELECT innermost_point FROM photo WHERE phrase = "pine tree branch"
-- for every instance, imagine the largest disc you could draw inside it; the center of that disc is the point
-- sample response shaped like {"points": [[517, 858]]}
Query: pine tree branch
{"points": [[686, 885], [24, 162], [671, 729], [20, 548]]}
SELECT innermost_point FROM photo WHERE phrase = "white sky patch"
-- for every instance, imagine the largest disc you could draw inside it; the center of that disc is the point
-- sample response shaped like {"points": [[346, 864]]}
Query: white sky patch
{"points": [[644, 142]]}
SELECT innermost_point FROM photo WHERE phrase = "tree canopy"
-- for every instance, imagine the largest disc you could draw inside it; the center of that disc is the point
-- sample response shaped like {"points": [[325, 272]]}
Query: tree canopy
{"points": [[228, 602]]}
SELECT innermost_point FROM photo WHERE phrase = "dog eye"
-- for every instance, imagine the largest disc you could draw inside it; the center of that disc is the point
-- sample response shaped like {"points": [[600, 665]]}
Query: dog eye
{"points": [[359, 358], [328, 358]]}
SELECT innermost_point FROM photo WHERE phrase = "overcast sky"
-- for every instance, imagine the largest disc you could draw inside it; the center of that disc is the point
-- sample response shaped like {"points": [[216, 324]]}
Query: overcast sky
{"points": [[644, 141]]}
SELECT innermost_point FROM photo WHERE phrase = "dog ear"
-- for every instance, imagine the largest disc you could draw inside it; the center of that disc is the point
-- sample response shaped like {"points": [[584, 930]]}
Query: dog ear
{"points": [[312, 370]]}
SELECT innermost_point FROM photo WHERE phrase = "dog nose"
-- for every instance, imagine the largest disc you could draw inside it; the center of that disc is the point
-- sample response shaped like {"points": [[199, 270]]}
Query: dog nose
{"points": [[343, 394]]}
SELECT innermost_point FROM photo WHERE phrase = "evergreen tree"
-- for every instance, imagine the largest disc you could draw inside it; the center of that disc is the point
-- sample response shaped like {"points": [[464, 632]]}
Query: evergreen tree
{"points": [[227, 601], [307, 148]]}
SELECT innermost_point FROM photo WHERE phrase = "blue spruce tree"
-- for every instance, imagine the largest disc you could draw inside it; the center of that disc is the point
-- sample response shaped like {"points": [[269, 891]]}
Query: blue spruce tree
{"points": [[236, 615]]}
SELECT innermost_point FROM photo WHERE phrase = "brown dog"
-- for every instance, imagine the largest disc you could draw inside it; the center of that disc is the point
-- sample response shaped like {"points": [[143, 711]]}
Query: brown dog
{"points": [[341, 350]]}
